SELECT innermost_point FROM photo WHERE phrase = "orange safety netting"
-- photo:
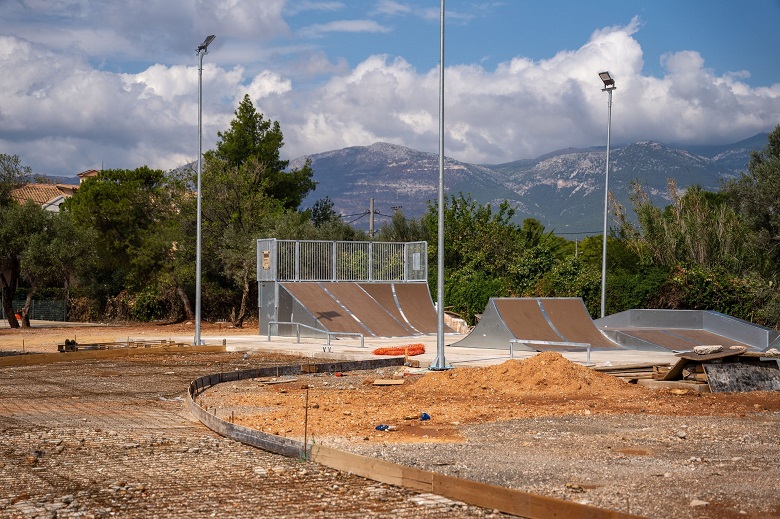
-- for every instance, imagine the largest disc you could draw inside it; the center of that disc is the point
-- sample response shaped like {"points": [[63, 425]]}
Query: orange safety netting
{"points": [[408, 350]]}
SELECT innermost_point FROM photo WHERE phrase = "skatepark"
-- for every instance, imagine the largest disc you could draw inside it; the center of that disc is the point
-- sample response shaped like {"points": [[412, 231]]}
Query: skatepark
{"points": [[316, 289]]}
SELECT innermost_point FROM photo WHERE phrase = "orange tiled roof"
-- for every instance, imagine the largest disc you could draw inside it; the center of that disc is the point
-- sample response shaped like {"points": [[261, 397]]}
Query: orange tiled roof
{"points": [[38, 193]]}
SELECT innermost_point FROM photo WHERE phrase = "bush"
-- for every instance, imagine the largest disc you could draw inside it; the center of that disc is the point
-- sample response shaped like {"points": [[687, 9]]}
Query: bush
{"points": [[468, 293], [148, 306]]}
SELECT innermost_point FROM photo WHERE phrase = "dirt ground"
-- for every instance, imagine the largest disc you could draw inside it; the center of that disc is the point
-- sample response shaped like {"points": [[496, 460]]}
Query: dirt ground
{"points": [[351, 405], [544, 425], [44, 339]]}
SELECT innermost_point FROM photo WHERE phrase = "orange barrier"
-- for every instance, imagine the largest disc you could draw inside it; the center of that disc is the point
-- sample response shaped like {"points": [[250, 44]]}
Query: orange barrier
{"points": [[409, 350]]}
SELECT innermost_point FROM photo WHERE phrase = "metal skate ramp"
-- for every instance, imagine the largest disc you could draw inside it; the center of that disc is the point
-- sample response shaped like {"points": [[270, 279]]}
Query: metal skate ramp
{"points": [[682, 330], [371, 309], [556, 321]]}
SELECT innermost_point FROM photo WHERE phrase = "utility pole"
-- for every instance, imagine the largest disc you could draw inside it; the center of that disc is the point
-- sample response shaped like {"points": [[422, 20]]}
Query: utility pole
{"points": [[371, 218]]}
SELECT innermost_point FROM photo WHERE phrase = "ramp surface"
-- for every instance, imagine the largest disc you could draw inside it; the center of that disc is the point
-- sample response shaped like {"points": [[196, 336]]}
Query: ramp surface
{"points": [[415, 303], [383, 294], [682, 330], [333, 316], [571, 319], [553, 320], [373, 309], [367, 310], [525, 320]]}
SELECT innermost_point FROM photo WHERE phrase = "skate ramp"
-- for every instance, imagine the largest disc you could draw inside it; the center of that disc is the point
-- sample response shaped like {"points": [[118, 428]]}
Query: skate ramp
{"points": [[552, 320], [415, 303], [681, 330], [371, 309]]}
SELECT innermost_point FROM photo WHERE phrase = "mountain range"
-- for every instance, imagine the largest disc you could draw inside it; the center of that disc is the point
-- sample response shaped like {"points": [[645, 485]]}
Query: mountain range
{"points": [[564, 189]]}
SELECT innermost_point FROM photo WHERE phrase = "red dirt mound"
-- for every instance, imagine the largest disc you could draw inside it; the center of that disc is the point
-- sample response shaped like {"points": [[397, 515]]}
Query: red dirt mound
{"points": [[542, 373]]}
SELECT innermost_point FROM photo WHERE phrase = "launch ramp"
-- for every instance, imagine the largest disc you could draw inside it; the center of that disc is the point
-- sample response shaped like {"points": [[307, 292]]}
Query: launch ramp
{"points": [[557, 321]]}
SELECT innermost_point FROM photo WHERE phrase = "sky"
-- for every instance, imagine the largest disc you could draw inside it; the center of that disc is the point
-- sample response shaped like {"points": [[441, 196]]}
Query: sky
{"points": [[92, 84]]}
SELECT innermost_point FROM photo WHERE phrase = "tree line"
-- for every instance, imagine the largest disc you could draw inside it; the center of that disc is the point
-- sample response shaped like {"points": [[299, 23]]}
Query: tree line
{"points": [[123, 246]]}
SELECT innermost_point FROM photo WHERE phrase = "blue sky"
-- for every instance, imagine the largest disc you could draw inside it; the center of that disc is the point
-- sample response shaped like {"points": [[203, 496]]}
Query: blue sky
{"points": [[91, 84]]}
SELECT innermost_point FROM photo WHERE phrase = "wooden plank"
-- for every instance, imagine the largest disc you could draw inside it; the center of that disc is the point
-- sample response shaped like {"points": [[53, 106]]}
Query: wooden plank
{"points": [[626, 367], [728, 352], [373, 468], [740, 377], [674, 384], [388, 382], [517, 502], [492, 497]]}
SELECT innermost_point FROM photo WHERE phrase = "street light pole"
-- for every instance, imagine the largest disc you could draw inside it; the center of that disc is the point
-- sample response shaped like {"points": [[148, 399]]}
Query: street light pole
{"points": [[439, 363], [201, 50], [609, 86]]}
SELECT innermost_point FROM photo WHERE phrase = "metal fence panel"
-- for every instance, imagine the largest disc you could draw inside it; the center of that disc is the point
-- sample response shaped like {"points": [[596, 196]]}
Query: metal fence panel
{"points": [[357, 261], [42, 310]]}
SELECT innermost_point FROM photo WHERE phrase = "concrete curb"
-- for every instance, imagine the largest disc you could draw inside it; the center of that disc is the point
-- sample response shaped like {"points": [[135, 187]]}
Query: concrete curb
{"points": [[266, 441]]}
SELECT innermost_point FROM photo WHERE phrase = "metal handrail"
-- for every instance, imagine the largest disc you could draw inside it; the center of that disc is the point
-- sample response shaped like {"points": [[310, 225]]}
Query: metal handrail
{"points": [[327, 333], [550, 343]]}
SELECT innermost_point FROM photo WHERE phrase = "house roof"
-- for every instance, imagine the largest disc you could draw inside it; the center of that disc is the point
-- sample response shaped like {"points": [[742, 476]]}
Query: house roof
{"points": [[87, 174], [42, 194]]}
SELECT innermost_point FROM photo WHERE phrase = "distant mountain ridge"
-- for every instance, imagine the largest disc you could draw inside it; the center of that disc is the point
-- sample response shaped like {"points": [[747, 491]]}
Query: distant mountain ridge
{"points": [[564, 189]]}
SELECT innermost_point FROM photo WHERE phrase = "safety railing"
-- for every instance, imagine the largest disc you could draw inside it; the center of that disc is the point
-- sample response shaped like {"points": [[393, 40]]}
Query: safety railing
{"points": [[355, 261], [327, 333]]}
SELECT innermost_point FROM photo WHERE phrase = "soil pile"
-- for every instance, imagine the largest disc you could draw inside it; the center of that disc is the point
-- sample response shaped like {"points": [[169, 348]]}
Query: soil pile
{"points": [[547, 373]]}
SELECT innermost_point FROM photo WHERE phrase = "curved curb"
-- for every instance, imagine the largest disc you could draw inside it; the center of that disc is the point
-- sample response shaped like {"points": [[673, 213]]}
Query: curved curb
{"points": [[507, 500], [266, 441]]}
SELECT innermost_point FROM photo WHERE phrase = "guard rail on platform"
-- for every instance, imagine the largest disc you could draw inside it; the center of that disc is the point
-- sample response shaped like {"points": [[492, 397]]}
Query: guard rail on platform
{"points": [[316, 330]]}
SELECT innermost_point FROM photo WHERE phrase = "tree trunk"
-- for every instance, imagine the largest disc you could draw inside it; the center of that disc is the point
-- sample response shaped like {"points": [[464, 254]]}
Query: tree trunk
{"points": [[185, 301], [8, 286], [238, 320], [25, 311]]}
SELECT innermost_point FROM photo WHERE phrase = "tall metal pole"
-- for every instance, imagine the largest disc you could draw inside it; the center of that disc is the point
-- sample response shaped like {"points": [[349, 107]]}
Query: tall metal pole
{"points": [[202, 49], [606, 202], [439, 362]]}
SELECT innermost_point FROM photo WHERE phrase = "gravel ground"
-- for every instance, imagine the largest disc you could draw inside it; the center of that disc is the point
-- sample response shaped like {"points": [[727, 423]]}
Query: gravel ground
{"points": [[659, 454], [662, 467], [113, 439]]}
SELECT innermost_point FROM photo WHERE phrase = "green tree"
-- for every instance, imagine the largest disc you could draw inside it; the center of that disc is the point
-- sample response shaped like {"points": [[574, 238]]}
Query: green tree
{"points": [[12, 176], [56, 253], [402, 229], [12, 227], [18, 225], [322, 212], [133, 215], [251, 136], [756, 197], [698, 227]]}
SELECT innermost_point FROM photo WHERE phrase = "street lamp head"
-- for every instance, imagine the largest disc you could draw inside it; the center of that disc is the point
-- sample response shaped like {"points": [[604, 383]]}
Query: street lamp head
{"points": [[205, 45], [609, 82]]}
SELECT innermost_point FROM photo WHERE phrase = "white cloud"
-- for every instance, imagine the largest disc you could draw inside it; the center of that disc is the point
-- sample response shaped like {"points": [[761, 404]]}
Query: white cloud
{"points": [[353, 26], [64, 111]]}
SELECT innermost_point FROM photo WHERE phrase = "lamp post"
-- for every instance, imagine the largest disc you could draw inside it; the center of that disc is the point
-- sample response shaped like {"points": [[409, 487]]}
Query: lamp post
{"points": [[201, 50], [439, 363], [609, 86]]}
